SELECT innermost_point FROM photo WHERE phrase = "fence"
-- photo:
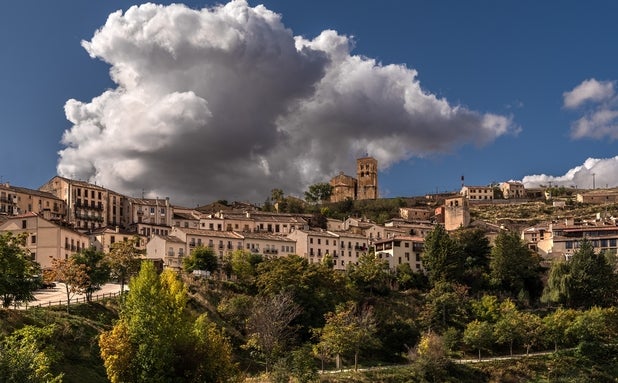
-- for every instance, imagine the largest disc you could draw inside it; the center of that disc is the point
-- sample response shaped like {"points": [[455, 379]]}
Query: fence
{"points": [[75, 300]]}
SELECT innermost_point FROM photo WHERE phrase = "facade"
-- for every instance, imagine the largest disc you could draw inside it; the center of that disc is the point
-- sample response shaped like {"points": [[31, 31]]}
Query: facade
{"points": [[268, 244], [364, 186], [513, 190], [102, 239], [477, 193], [169, 249], [598, 197], [343, 248], [46, 239], [86, 204], [401, 249], [17, 200], [456, 213], [415, 214], [344, 187]]}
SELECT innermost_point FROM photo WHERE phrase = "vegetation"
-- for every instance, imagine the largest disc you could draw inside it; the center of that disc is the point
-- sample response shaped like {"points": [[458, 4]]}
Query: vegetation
{"points": [[282, 319]]}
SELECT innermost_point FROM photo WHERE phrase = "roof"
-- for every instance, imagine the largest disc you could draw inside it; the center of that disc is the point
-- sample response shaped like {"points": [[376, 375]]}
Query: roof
{"points": [[189, 216], [35, 192], [210, 233], [400, 238], [267, 236]]}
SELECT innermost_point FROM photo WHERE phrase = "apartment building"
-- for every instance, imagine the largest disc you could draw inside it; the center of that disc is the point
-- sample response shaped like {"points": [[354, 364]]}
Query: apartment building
{"points": [[168, 249], [351, 247], [17, 200], [153, 211], [477, 193], [86, 204], [401, 249], [269, 244], [275, 223], [314, 244], [46, 240], [563, 238], [103, 239]]}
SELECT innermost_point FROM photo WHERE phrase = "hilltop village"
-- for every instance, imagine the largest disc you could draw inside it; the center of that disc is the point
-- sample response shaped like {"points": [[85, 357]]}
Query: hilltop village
{"points": [[65, 216]]}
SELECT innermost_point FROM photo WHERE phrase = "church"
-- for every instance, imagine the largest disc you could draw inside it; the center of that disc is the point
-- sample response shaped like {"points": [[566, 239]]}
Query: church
{"points": [[364, 186]]}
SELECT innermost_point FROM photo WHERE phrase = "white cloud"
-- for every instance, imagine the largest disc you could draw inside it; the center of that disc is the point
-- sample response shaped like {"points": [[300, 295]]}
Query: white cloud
{"points": [[604, 171], [588, 90], [227, 103]]}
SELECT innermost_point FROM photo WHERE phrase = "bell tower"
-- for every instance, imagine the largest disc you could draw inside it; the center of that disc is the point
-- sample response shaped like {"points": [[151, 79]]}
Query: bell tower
{"points": [[367, 178]]}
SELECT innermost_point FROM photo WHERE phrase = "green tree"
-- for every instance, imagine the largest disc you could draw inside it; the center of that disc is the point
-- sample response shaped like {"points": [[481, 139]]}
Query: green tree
{"points": [[96, 267], [155, 339], [124, 260], [475, 251], [532, 331], [586, 279], [446, 305], [349, 329], [319, 192], [479, 335], [371, 274], [595, 325], [556, 325], [201, 258], [243, 265], [443, 258], [18, 273], [28, 355], [514, 268], [315, 287], [510, 327]]}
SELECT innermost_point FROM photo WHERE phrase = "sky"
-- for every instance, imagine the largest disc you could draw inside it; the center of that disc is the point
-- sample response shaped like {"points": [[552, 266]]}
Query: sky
{"points": [[210, 100]]}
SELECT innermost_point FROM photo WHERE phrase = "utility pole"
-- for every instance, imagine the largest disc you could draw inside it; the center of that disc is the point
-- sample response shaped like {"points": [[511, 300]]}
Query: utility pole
{"points": [[593, 184]]}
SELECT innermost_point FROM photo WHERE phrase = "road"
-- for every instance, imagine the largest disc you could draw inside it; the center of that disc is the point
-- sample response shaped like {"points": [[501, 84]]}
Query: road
{"points": [[58, 295]]}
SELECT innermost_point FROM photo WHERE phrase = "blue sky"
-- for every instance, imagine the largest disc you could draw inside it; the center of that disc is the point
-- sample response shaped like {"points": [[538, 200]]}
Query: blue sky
{"points": [[512, 59]]}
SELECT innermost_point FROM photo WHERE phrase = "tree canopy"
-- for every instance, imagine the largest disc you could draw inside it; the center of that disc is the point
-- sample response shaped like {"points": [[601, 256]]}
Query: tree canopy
{"points": [[19, 274]]}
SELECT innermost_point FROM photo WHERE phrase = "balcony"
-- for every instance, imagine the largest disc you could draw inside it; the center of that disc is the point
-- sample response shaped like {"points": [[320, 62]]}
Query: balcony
{"points": [[271, 251]]}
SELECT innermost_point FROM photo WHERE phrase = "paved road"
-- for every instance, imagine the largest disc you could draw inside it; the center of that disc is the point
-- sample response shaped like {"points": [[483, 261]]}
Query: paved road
{"points": [[58, 295]]}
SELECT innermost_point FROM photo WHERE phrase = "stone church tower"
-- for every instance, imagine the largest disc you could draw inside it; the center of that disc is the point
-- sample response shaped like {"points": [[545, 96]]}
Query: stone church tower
{"points": [[367, 178]]}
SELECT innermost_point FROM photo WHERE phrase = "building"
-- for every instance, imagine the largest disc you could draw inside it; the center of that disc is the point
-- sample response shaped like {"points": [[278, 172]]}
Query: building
{"points": [[598, 196], [364, 186], [456, 213], [17, 200], [86, 204], [415, 213], [477, 193], [512, 190], [46, 239], [401, 249]]}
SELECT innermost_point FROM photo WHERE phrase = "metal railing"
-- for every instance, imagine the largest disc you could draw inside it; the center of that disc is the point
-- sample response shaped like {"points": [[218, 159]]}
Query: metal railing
{"points": [[75, 300]]}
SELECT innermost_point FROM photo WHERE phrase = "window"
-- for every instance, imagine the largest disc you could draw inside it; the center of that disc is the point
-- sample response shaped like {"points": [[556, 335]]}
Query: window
{"points": [[92, 194], [33, 239], [112, 239], [24, 224]]}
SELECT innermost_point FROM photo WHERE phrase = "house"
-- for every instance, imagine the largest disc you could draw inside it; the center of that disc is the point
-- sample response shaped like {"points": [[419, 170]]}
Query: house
{"points": [[17, 200], [401, 249], [477, 193], [103, 238], [46, 239], [512, 190]]}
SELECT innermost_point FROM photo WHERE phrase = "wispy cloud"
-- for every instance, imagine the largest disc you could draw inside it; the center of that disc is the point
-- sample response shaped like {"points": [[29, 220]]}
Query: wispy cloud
{"points": [[226, 102]]}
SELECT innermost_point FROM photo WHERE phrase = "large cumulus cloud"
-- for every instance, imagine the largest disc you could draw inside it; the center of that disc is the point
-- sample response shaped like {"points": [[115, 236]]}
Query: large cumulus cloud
{"points": [[226, 102], [594, 172]]}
